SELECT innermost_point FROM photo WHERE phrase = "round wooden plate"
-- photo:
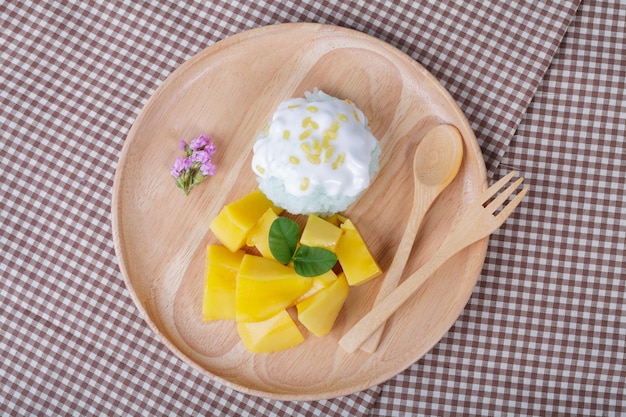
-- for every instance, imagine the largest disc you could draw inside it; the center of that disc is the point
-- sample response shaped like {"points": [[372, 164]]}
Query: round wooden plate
{"points": [[229, 91]]}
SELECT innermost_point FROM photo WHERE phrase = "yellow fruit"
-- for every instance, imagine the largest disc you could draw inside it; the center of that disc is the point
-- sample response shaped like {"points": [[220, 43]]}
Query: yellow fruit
{"points": [[318, 312], [264, 287], [336, 219], [256, 290], [219, 288], [277, 333], [259, 235], [320, 233], [228, 233], [354, 257], [346, 224], [247, 210], [319, 282], [235, 220]]}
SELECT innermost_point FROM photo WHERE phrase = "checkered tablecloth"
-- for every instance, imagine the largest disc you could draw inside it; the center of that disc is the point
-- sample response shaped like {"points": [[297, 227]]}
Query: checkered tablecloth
{"points": [[543, 86]]}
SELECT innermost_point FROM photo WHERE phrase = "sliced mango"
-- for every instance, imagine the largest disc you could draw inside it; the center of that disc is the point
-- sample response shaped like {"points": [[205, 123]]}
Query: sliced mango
{"points": [[336, 219], [321, 233], [354, 256], [219, 288], [319, 282], [259, 235], [318, 312], [256, 290], [264, 287], [277, 333], [233, 223]]}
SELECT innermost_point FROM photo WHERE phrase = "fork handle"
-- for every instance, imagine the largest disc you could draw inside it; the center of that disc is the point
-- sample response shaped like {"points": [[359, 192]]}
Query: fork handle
{"points": [[379, 314]]}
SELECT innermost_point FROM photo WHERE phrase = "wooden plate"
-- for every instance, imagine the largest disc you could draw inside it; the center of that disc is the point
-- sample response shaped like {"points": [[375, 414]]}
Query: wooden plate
{"points": [[229, 91]]}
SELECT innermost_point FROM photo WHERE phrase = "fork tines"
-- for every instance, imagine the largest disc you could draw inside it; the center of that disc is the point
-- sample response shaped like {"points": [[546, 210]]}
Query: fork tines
{"points": [[493, 204]]}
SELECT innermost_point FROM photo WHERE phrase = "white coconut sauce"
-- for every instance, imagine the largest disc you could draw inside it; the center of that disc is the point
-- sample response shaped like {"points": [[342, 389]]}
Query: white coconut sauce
{"points": [[317, 143]]}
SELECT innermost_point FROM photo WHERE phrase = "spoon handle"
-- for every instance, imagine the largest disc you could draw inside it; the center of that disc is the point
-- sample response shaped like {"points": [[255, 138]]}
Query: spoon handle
{"points": [[394, 273], [436, 162]]}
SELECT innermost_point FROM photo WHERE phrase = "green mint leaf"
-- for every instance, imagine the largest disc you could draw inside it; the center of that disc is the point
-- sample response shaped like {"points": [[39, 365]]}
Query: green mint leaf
{"points": [[313, 261], [283, 239]]}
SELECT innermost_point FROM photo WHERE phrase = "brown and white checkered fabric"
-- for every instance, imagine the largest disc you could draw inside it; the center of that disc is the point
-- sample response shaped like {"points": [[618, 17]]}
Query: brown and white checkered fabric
{"points": [[542, 84]]}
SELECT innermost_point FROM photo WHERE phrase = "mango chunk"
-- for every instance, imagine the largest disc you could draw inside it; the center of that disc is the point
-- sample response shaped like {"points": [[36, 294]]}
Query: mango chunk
{"points": [[228, 233], [265, 287], [319, 283], [277, 333], [321, 233], [336, 219], [233, 223], [354, 256], [259, 235], [219, 288], [318, 312]]}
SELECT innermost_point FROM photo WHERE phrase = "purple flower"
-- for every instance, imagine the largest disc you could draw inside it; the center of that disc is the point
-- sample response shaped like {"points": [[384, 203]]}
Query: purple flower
{"points": [[198, 163], [201, 156], [210, 148], [200, 142], [208, 168], [181, 164]]}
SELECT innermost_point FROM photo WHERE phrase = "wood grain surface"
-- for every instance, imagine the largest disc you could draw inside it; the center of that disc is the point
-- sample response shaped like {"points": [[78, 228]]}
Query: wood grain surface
{"points": [[229, 91]]}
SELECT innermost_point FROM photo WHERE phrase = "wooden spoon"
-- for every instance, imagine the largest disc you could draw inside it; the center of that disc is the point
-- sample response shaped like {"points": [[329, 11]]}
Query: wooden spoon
{"points": [[480, 219], [435, 164]]}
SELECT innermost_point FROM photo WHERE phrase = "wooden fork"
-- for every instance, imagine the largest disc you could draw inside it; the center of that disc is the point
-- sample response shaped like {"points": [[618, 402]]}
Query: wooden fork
{"points": [[479, 220]]}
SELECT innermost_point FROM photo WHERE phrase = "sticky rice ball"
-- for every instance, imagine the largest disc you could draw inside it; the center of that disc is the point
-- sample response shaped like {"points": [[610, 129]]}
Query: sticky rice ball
{"points": [[316, 155]]}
